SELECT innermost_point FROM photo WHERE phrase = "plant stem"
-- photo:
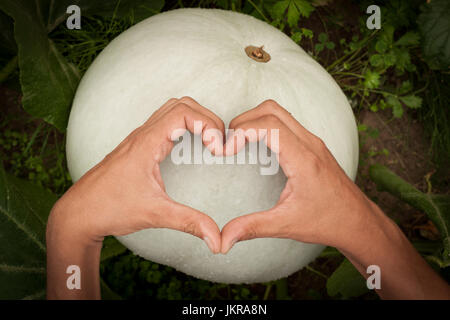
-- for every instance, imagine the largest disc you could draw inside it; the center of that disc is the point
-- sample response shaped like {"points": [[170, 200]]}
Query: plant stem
{"points": [[320, 274], [8, 69], [259, 11], [267, 292], [282, 289]]}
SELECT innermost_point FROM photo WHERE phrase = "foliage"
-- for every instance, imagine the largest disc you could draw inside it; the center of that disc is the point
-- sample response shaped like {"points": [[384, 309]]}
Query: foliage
{"points": [[23, 215], [437, 207], [136, 278], [41, 163], [434, 25], [48, 80], [378, 69], [346, 282]]}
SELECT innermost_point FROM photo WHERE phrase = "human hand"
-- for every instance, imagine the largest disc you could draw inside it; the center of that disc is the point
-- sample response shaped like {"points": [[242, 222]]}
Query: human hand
{"points": [[125, 193], [319, 203]]}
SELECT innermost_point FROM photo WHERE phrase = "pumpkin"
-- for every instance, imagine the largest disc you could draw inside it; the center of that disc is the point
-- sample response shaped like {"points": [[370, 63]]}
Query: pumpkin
{"points": [[215, 57]]}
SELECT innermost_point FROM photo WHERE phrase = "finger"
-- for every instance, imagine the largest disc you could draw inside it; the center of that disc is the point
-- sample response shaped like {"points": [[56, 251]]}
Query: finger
{"points": [[271, 107], [276, 135], [182, 117], [264, 224], [161, 111], [201, 109], [186, 219], [167, 107]]}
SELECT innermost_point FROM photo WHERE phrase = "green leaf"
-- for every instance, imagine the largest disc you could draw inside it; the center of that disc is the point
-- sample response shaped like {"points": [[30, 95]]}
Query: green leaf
{"points": [[434, 26], [278, 10], [7, 41], [376, 60], [107, 293], [297, 37], [323, 37], [330, 45], [346, 281], [304, 7], [24, 209], [381, 46], [408, 39], [412, 101], [403, 58], [405, 87], [48, 81], [389, 59], [318, 47], [371, 79], [307, 33], [394, 103], [293, 14], [111, 248], [437, 207]]}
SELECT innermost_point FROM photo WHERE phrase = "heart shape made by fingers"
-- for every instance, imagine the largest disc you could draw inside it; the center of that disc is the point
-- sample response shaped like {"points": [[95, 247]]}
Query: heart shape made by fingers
{"points": [[216, 57]]}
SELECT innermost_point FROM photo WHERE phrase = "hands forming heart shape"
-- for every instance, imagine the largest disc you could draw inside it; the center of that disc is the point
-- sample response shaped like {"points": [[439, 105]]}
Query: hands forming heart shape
{"points": [[125, 193]]}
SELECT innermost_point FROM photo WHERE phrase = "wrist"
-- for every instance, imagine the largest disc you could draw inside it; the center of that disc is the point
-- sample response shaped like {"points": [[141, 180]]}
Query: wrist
{"points": [[374, 234], [69, 225]]}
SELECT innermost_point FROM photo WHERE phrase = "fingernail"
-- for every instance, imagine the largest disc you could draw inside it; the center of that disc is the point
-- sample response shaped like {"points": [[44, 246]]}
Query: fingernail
{"points": [[209, 244], [231, 245]]}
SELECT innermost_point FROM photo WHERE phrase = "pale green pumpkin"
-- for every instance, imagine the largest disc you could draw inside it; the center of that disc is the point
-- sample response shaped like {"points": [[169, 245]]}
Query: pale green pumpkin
{"points": [[202, 53]]}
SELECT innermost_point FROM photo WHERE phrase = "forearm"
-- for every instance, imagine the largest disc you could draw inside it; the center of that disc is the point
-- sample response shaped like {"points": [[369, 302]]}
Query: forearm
{"points": [[404, 273], [67, 247]]}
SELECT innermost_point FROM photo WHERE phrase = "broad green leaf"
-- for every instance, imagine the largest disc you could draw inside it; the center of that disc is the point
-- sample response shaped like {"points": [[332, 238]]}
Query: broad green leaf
{"points": [[408, 39], [434, 26], [437, 207], [412, 101], [7, 42], [330, 252], [48, 81], [24, 209], [346, 281]]}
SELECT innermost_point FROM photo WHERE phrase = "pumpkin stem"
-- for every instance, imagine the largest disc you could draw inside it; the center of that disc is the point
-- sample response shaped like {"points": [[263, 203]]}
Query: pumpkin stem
{"points": [[257, 53]]}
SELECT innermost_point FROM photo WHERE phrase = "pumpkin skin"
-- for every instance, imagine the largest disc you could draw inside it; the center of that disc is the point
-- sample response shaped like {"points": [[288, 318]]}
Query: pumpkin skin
{"points": [[201, 53]]}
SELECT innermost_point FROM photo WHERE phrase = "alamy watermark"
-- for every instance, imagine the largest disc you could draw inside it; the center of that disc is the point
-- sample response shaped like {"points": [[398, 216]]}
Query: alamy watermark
{"points": [[190, 149]]}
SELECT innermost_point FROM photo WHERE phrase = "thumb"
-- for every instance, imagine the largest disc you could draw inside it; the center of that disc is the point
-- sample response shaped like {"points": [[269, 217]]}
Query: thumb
{"points": [[255, 225], [186, 219]]}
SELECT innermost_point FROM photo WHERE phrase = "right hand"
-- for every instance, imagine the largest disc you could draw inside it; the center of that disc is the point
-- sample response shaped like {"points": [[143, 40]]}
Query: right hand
{"points": [[319, 203]]}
